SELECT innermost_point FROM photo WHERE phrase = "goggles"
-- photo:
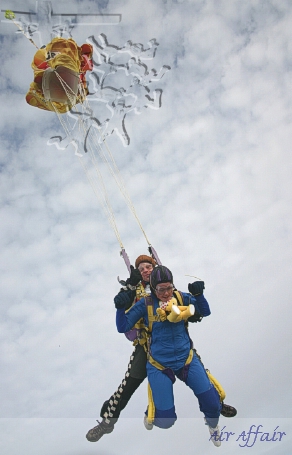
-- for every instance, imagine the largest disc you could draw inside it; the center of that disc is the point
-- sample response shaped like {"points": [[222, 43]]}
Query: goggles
{"points": [[162, 290]]}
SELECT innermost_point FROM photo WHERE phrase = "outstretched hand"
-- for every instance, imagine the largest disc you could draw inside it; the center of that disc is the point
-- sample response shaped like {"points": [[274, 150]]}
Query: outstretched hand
{"points": [[196, 288], [135, 277]]}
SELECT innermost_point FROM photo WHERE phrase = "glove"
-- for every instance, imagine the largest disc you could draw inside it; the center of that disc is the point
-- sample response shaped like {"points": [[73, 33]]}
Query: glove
{"points": [[196, 318], [196, 288], [123, 299], [135, 277]]}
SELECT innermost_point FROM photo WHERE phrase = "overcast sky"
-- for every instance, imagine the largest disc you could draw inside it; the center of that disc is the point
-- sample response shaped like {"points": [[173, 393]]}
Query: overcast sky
{"points": [[209, 174]]}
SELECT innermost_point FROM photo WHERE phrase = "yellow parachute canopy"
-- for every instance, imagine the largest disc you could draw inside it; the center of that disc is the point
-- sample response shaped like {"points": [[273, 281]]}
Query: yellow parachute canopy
{"points": [[59, 75]]}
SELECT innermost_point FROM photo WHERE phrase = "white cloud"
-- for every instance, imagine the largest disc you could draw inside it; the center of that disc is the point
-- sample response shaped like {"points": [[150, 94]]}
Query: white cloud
{"points": [[210, 176]]}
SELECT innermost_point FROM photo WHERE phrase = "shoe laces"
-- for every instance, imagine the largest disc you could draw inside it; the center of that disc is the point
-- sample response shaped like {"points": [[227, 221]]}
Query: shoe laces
{"points": [[98, 427]]}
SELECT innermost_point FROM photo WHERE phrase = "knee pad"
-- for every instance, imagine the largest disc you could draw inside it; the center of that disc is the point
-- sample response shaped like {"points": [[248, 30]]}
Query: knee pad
{"points": [[165, 419], [210, 405]]}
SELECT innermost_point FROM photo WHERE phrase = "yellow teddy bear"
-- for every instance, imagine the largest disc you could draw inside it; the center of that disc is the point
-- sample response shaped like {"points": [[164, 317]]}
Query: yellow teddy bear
{"points": [[174, 313]]}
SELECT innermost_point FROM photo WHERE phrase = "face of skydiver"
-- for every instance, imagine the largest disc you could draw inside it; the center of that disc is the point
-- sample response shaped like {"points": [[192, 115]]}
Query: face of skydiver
{"points": [[145, 269], [164, 291]]}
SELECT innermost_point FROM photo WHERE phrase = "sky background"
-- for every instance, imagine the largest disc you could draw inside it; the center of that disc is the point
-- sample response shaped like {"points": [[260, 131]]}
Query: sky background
{"points": [[210, 176]]}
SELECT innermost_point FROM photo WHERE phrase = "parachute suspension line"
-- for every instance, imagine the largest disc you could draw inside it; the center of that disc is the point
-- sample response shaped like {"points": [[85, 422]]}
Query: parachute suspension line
{"points": [[104, 202], [114, 170], [121, 185], [67, 89], [104, 198], [110, 162], [65, 127]]}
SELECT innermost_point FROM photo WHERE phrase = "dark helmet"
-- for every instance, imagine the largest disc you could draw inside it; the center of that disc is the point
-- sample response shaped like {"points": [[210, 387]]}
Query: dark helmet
{"points": [[160, 274]]}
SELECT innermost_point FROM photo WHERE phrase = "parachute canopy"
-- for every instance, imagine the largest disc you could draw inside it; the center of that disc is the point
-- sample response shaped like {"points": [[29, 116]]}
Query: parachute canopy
{"points": [[59, 75]]}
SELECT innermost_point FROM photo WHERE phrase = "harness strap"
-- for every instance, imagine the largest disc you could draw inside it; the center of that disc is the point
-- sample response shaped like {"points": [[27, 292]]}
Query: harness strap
{"points": [[170, 374], [217, 386], [151, 406], [138, 334], [178, 297], [151, 317], [161, 367]]}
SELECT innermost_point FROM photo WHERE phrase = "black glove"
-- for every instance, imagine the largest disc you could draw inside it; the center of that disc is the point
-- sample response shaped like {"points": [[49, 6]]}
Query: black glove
{"points": [[135, 277], [195, 318], [196, 288], [124, 299]]}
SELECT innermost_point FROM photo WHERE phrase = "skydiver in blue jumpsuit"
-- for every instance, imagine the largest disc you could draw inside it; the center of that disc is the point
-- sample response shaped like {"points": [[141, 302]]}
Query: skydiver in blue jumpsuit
{"points": [[170, 346]]}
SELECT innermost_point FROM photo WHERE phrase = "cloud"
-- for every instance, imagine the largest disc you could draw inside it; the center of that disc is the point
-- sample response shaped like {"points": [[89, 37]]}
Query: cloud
{"points": [[210, 177]]}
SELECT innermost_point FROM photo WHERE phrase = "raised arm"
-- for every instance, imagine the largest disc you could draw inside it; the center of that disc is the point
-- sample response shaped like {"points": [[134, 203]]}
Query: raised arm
{"points": [[201, 305], [125, 321]]}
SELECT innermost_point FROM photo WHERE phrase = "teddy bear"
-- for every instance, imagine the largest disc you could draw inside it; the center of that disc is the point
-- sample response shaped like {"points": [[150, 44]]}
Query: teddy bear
{"points": [[174, 313]]}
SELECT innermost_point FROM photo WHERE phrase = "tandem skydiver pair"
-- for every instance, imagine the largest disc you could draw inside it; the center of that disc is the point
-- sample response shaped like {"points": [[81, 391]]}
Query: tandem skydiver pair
{"points": [[155, 316]]}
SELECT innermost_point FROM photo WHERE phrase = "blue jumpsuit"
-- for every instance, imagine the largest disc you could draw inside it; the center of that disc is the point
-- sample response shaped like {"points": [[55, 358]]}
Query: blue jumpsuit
{"points": [[170, 346]]}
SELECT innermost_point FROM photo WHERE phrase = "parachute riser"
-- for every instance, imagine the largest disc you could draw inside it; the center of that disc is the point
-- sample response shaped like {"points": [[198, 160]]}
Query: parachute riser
{"points": [[126, 259], [154, 254], [151, 250]]}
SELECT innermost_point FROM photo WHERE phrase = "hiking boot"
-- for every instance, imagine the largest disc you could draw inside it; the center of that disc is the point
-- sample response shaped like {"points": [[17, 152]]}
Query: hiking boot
{"points": [[214, 434], [147, 425], [228, 411], [97, 432]]}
